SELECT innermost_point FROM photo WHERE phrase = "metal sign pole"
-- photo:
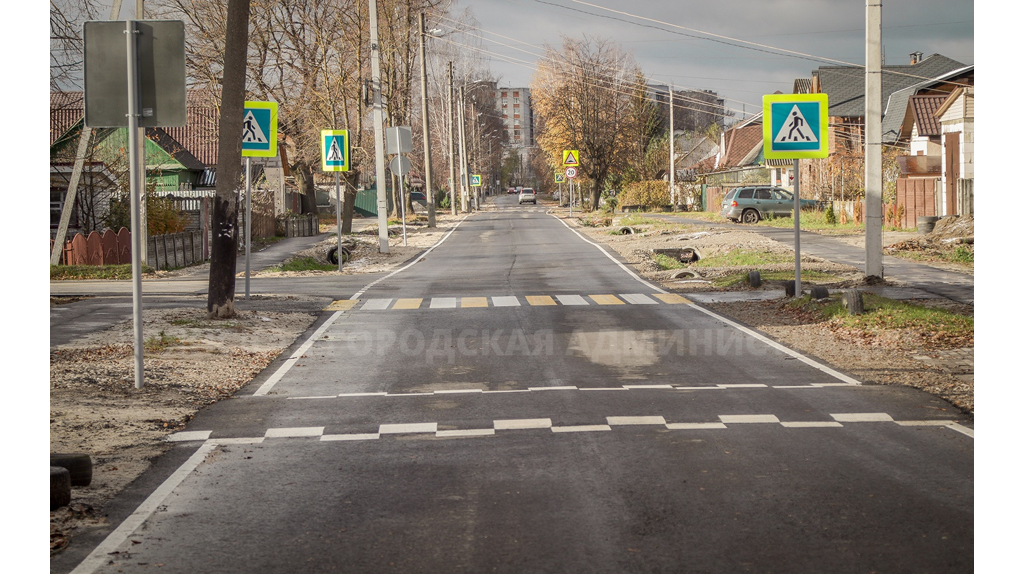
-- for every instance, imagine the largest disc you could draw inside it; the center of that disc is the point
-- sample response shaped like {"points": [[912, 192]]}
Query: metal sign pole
{"points": [[796, 225], [401, 198], [337, 194], [248, 222], [134, 191]]}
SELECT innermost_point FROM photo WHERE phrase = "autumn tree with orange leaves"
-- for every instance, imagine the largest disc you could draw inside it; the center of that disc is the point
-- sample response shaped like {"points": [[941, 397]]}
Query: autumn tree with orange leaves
{"points": [[583, 92]]}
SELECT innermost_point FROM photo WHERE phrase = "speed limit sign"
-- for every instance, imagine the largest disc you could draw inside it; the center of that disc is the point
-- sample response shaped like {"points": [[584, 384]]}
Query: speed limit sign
{"points": [[570, 172]]}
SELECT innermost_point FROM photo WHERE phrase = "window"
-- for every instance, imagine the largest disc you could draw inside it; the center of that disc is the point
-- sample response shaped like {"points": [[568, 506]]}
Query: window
{"points": [[746, 193], [762, 193], [504, 94], [516, 116], [515, 94]]}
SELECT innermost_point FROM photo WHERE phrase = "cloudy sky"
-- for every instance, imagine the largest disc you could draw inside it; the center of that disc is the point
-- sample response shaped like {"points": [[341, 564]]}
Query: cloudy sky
{"points": [[737, 48]]}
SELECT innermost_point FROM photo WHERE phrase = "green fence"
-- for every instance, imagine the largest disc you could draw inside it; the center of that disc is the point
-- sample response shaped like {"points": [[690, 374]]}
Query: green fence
{"points": [[366, 202]]}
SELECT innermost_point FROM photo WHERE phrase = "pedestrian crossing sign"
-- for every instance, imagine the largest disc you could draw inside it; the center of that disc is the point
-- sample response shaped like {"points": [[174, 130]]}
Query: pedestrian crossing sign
{"points": [[259, 129], [475, 181], [334, 150], [571, 157], [795, 126], [559, 178]]}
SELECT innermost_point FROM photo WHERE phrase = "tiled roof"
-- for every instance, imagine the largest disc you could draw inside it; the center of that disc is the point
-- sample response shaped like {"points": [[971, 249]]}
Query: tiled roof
{"points": [[802, 86], [198, 136], [896, 111], [845, 84], [923, 108], [739, 143]]}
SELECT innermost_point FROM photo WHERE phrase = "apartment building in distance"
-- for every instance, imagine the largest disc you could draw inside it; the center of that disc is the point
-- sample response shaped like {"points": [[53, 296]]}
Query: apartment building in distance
{"points": [[516, 115]]}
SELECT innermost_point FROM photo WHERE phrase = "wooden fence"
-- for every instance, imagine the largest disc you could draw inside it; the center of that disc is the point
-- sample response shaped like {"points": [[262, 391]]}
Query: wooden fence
{"points": [[110, 248]]}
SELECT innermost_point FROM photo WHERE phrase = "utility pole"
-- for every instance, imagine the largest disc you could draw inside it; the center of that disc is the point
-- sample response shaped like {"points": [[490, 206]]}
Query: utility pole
{"points": [[140, 141], [378, 132], [431, 217], [451, 139], [463, 162], [873, 142], [672, 145]]}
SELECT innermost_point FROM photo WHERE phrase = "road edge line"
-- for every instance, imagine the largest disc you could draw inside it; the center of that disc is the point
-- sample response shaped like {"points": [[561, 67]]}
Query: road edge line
{"points": [[99, 556], [609, 256]]}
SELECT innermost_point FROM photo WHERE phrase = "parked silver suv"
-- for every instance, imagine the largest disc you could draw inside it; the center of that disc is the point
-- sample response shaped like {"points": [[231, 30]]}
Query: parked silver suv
{"points": [[751, 204]]}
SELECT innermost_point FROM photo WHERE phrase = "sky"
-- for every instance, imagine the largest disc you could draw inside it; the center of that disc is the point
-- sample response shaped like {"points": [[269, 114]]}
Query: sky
{"points": [[736, 48]]}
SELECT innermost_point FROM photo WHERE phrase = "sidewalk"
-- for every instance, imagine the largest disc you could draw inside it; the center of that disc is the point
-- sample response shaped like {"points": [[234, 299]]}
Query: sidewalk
{"points": [[911, 275]]}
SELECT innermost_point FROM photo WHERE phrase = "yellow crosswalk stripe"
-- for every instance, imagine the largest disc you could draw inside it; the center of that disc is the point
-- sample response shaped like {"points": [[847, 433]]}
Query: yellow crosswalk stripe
{"points": [[408, 304], [474, 301], [672, 298], [607, 300], [540, 300], [342, 305]]}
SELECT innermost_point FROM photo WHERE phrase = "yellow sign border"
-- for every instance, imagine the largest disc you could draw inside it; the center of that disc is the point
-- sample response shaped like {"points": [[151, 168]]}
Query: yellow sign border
{"points": [[574, 153], [766, 123], [323, 150], [272, 136]]}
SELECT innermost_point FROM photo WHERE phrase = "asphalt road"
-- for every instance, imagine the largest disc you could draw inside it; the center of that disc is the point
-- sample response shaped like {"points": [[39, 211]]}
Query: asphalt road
{"points": [[517, 401]]}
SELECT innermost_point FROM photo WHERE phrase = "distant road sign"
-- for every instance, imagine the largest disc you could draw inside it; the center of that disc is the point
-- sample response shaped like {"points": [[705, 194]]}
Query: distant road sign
{"points": [[400, 165], [559, 178], [259, 129], [475, 181], [571, 157], [795, 126], [570, 172], [334, 150]]}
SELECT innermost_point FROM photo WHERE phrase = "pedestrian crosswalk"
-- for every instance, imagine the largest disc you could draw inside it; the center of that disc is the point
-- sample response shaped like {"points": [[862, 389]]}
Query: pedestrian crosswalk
{"points": [[565, 300]]}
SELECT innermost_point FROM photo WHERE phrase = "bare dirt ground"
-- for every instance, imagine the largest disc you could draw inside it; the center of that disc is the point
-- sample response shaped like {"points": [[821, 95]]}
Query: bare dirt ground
{"points": [[192, 361]]}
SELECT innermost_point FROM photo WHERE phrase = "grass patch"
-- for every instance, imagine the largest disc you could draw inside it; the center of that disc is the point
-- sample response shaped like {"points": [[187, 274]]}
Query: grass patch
{"points": [[741, 278], [665, 262], [75, 272], [304, 264], [812, 221], [161, 342], [744, 257], [883, 314], [197, 324]]}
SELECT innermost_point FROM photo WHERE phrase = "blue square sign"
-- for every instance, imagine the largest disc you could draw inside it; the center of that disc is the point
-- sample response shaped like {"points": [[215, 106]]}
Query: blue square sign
{"points": [[795, 126]]}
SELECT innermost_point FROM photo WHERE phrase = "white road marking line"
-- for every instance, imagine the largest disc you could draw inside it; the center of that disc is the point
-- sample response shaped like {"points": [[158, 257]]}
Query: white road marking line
{"points": [[925, 423], [506, 301], [635, 420], [464, 433], [418, 259], [745, 419], [803, 359], [744, 386], [571, 300], [443, 303], [408, 428], [638, 299], [287, 365], [458, 391], [640, 387], [362, 395], [188, 436], [581, 428], [520, 424], [695, 426], [313, 397], [565, 388], [862, 417], [603, 389], [805, 386], [714, 388], [294, 432], [962, 429], [100, 555], [364, 436], [376, 304], [609, 256], [812, 424]]}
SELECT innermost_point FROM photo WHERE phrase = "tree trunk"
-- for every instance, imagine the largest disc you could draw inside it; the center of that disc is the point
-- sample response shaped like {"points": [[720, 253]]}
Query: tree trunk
{"points": [[224, 247], [348, 206], [307, 191]]}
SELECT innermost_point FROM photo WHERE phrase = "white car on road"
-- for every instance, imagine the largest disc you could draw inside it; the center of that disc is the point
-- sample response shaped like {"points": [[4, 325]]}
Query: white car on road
{"points": [[527, 195]]}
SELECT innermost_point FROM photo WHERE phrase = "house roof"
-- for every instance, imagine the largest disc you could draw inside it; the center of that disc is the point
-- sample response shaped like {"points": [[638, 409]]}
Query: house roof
{"points": [[897, 113], [740, 144], [845, 84], [802, 86], [198, 136], [922, 108]]}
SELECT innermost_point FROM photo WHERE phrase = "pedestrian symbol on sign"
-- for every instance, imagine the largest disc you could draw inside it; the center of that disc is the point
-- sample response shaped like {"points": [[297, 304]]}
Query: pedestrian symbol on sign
{"points": [[252, 132], [794, 128]]}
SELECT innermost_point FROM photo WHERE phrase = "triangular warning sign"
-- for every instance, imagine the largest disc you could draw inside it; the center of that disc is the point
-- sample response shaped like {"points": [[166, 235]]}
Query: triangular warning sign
{"points": [[795, 129], [334, 154], [251, 130], [570, 159]]}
